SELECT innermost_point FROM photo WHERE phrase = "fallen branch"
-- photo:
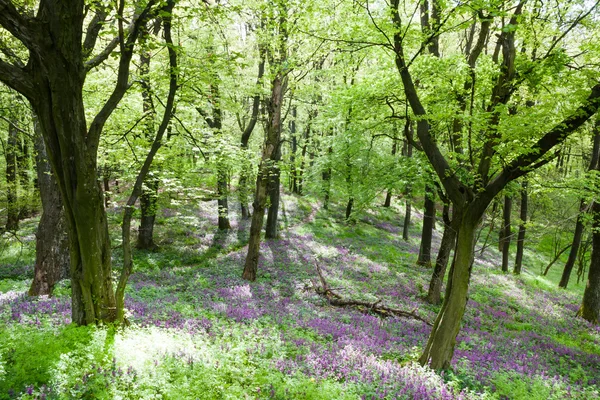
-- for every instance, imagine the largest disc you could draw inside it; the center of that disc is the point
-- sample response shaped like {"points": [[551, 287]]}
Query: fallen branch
{"points": [[364, 306]]}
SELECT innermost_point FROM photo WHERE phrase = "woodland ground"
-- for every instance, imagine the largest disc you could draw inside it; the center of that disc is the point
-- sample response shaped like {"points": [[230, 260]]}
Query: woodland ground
{"points": [[199, 331]]}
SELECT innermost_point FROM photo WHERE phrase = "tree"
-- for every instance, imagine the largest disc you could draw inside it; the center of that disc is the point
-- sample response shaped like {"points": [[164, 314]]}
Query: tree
{"points": [[471, 198], [271, 148], [60, 57]]}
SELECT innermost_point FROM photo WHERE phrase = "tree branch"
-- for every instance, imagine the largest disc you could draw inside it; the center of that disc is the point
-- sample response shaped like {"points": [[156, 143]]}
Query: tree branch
{"points": [[16, 78], [15, 23], [525, 162], [122, 76]]}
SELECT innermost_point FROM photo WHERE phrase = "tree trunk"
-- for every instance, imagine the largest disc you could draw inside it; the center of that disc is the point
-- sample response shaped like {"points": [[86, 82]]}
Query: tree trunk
{"points": [[23, 167], [507, 232], [441, 262], [246, 133], [388, 196], [12, 183], [522, 228], [294, 148], [564, 280], [269, 156], [590, 306], [406, 224], [243, 190], [274, 196], [428, 223], [440, 346], [148, 209], [52, 244]]}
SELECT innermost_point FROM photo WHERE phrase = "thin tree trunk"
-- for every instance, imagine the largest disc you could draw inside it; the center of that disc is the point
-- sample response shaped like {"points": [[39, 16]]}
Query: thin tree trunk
{"points": [[424, 257], [441, 262], [246, 133], [388, 196], [274, 196], [294, 148], [145, 169], [507, 232], [522, 228], [269, 157], [12, 183], [23, 167], [148, 209], [52, 244]]}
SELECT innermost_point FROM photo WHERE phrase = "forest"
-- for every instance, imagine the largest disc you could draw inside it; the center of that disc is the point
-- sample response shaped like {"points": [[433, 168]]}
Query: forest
{"points": [[339, 199]]}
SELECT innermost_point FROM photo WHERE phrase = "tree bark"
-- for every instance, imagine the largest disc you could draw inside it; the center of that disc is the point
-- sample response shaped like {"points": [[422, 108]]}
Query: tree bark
{"points": [[441, 262], [12, 183], [522, 228], [440, 346], [583, 206], [590, 306], [424, 257], [148, 209], [274, 196], [507, 233], [52, 244]]}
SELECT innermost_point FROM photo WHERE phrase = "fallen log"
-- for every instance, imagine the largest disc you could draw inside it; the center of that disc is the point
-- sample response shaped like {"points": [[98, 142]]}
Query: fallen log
{"points": [[366, 307]]}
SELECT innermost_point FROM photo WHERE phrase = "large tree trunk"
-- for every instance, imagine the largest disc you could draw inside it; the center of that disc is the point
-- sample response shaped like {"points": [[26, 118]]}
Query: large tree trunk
{"points": [[12, 183], [522, 228], [507, 233], [564, 280], [441, 262], [590, 306], [52, 244], [428, 223], [440, 346]]}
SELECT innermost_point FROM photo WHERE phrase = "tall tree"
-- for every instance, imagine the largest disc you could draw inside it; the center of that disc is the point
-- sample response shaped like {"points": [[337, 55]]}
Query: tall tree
{"points": [[470, 199], [12, 183], [277, 60], [424, 257], [60, 56]]}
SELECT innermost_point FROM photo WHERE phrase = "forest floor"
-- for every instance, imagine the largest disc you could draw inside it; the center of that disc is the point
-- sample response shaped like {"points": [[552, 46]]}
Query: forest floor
{"points": [[199, 331]]}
